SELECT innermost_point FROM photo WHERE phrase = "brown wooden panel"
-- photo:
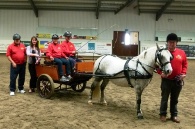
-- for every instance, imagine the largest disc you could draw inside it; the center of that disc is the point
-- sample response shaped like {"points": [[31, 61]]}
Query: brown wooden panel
{"points": [[52, 71], [84, 66], [120, 49]]}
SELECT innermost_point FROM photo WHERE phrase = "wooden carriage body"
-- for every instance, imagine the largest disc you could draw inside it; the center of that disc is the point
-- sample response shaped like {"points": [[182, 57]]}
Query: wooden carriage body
{"points": [[52, 70], [47, 74]]}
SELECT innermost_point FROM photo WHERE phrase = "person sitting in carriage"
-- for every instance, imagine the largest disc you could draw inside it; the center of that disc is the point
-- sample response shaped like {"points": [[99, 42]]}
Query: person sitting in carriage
{"points": [[69, 49], [55, 53]]}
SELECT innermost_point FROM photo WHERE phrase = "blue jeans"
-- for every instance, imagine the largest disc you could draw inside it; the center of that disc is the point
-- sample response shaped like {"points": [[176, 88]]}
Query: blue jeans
{"points": [[14, 72], [60, 62], [72, 62]]}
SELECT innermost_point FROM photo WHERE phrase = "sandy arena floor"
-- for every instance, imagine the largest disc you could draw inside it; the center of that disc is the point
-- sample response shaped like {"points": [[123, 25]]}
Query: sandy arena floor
{"points": [[70, 110]]}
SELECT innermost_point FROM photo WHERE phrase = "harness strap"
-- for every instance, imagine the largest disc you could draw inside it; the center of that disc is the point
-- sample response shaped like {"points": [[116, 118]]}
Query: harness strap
{"points": [[149, 75], [126, 72], [98, 69]]}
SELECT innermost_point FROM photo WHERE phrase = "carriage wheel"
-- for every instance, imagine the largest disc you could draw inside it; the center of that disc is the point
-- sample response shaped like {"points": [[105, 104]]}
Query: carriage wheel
{"points": [[79, 87], [45, 86]]}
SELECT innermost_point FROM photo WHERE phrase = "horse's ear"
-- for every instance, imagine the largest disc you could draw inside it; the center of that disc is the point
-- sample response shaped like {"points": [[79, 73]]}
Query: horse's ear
{"points": [[157, 46]]}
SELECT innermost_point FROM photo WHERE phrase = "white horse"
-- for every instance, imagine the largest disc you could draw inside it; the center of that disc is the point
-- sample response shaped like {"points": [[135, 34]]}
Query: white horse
{"points": [[136, 72]]}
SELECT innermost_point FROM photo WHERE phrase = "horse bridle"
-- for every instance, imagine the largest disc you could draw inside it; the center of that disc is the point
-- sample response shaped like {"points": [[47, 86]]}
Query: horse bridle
{"points": [[159, 57]]}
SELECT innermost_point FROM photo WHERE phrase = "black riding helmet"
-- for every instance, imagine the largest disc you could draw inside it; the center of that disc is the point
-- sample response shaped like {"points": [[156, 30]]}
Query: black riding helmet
{"points": [[55, 36], [67, 34], [172, 37], [16, 37]]}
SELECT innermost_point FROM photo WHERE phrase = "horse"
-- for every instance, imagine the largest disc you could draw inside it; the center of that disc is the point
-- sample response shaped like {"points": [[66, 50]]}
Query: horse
{"points": [[136, 72]]}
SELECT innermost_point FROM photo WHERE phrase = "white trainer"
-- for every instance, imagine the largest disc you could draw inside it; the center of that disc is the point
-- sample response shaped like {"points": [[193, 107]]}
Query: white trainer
{"points": [[12, 93], [64, 79], [21, 91], [69, 77]]}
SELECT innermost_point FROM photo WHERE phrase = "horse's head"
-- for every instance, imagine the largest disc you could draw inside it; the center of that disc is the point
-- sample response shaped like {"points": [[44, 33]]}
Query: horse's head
{"points": [[162, 59]]}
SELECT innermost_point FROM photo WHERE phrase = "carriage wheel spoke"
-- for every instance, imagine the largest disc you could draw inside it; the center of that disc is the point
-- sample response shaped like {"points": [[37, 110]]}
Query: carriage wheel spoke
{"points": [[45, 86], [47, 89]]}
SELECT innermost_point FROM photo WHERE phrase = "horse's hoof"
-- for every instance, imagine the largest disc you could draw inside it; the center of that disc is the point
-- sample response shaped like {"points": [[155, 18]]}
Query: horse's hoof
{"points": [[90, 102], [140, 117], [103, 103]]}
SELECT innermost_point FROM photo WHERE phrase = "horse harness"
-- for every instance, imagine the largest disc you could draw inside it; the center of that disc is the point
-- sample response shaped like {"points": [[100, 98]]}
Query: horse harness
{"points": [[126, 71]]}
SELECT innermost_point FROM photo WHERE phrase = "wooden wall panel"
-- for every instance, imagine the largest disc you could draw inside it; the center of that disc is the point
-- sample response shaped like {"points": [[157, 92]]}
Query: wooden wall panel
{"points": [[120, 49]]}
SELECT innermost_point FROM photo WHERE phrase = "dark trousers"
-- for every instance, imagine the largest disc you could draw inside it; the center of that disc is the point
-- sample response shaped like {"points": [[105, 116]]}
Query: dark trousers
{"points": [[14, 72], [60, 62], [33, 75], [169, 87]]}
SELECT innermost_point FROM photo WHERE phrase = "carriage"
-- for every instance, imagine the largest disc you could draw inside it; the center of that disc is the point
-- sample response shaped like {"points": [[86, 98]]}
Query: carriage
{"points": [[47, 73]]}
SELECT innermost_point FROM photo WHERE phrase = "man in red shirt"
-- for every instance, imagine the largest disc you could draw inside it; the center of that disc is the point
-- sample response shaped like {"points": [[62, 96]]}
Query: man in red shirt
{"points": [[172, 84], [16, 54], [69, 49], [55, 53]]}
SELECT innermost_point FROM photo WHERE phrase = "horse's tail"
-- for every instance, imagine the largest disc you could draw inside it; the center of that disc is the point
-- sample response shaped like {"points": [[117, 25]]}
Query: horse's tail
{"points": [[96, 91]]}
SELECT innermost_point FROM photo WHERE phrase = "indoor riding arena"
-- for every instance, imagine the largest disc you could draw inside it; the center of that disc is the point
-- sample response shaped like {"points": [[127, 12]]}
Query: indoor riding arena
{"points": [[123, 28]]}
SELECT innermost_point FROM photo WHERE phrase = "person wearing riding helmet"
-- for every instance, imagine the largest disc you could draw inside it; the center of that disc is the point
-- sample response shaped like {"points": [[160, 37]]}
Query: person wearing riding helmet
{"points": [[55, 53], [172, 84], [69, 49], [16, 54]]}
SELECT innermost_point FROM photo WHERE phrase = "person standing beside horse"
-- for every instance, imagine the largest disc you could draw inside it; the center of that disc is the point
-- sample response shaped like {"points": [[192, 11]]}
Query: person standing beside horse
{"points": [[16, 54], [69, 49], [33, 53], [172, 85]]}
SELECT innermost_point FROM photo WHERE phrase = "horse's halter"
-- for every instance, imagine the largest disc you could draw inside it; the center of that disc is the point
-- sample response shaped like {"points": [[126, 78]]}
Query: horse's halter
{"points": [[158, 58]]}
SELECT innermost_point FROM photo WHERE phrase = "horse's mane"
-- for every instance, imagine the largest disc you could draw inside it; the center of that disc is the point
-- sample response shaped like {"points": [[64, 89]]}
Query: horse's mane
{"points": [[149, 50]]}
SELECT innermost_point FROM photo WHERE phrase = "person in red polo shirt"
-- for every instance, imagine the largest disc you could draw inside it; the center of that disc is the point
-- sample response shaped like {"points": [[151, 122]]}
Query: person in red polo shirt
{"points": [[16, 54], [172, 84], [54, 52], [69, 49]]}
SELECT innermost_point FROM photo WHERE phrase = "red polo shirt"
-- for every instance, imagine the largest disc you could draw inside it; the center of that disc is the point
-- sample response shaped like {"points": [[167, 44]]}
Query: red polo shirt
{"points": [[67, 48], [55, 51], [17, 53], [179, 63]]}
